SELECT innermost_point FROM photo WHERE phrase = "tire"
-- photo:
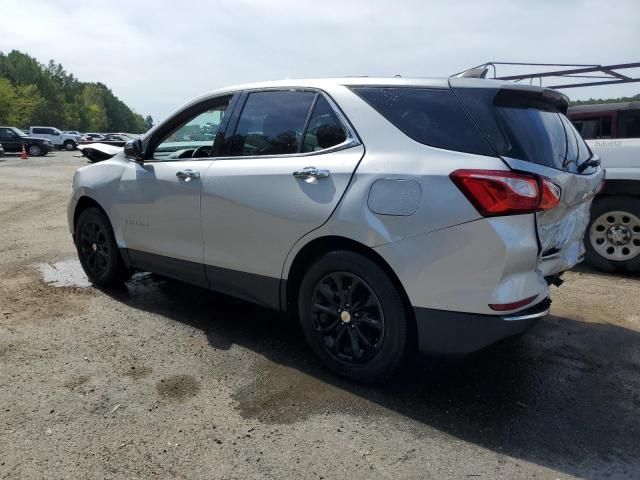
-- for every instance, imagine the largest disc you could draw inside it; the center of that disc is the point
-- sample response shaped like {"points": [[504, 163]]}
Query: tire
{"points": [[383, 323], [98, 251], [612, 239], [69, 145], [36, 151]]}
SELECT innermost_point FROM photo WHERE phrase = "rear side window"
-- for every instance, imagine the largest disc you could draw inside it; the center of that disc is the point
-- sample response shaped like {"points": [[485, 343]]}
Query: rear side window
{"points": [[272, 123], [41, 131], [325, 129], [432, 117]]}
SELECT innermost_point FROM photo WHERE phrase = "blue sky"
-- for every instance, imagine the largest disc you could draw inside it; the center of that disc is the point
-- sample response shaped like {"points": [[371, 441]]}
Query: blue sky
{"points": [[156, 55]]}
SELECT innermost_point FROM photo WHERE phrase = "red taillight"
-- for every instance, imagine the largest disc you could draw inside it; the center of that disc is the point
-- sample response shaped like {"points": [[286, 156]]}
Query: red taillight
{"points": [[549, 194], [504, 307], [498, 192]]}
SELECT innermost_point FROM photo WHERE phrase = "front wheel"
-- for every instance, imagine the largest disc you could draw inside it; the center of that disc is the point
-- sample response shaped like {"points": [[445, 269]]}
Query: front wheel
{"points": [[613, 234], [353, 317], [97, 249], [69, 145]]}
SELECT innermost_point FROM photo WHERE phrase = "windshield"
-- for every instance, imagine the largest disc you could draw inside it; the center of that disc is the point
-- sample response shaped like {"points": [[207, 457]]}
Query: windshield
{"points": [[543, 137], [526, 128], [20, 133]]}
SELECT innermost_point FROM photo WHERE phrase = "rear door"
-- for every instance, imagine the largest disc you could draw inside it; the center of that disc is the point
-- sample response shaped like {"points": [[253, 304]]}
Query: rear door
{"points": [[528, 128], [287, 159]]}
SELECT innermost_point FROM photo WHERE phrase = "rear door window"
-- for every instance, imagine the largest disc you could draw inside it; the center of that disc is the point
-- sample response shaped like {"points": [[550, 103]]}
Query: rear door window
{"points": [[430, 116], [272, 123]]}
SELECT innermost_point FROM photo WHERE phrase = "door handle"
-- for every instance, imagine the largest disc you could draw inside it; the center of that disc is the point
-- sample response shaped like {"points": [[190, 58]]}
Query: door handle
{"points": [[187, 175], [309, 174]]}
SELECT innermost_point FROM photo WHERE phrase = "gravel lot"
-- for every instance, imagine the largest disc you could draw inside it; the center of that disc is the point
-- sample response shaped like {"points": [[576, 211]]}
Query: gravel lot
{"points": [[163, 379]]}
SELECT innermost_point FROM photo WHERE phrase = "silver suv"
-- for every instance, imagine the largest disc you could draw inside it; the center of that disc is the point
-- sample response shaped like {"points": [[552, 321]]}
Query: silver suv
{"points": [[388, 215]]}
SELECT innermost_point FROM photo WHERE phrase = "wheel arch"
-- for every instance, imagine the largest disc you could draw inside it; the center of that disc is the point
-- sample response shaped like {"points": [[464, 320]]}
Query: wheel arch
{"points": [[83, 203], [317, 247], [620, 187]]}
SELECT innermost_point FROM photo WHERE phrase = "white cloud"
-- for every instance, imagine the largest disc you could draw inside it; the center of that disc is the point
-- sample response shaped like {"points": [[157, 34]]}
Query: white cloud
{"points": [[156, 55]]}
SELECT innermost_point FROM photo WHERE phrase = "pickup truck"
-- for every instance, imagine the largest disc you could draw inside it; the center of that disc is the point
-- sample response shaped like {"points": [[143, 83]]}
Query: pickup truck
{"points": [[612, 131], [56, 137]]}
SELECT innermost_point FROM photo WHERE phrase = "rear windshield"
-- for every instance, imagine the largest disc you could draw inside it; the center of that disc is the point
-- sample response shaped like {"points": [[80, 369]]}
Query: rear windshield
{"points": [[430, 116], [526, 128]]}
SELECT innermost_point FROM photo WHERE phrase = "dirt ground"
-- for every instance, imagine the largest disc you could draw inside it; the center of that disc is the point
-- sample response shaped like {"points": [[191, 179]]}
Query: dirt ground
{"points": [[162, 379]]}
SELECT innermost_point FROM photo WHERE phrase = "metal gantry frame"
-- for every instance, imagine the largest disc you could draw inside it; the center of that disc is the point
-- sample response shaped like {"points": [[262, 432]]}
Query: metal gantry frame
{"points": [[607, 74]]}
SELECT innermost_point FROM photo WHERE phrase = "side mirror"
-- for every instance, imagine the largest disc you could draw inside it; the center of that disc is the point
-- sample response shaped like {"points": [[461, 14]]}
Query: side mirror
{"points": [[133, 150]]}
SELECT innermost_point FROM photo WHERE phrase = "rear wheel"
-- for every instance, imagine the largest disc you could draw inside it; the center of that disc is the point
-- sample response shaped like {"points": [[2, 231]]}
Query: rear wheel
{"points": [[97, 249], [353, 317], [613, 234]]}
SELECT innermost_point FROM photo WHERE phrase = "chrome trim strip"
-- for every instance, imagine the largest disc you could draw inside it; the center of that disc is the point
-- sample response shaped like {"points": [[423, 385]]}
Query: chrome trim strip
{"points": [[529, 316]]}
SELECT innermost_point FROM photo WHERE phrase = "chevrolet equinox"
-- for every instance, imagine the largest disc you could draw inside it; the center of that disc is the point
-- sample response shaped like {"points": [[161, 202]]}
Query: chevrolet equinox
{"points": [[387, 215]]}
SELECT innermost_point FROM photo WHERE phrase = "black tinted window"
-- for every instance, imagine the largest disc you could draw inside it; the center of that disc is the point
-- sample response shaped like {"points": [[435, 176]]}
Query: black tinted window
{"points": [[599, 127], [526, 125], [6, 134], [629, 124], [534, 134], [430, 116], [40, 131], [325, 129], [271, 123]]}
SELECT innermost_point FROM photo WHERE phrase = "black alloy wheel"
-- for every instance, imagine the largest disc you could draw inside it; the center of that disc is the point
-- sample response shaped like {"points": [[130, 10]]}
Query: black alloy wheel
{"points": [[348, 317], [98, 250], [94, 248], [354, 318]]}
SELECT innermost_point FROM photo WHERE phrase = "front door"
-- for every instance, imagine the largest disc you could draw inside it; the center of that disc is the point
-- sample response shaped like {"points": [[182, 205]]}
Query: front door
{"points": [[290, 158], [159, 200], [10, 140]]}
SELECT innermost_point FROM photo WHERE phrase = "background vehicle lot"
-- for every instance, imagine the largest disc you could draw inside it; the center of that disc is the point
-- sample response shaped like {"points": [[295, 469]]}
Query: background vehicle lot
{"points": [[166, 379]]}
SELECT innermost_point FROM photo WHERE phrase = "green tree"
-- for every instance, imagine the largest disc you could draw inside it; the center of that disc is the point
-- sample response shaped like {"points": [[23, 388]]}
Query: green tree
{"points": [[17, 103], [93, 112], [148, 122], [35, 94]]}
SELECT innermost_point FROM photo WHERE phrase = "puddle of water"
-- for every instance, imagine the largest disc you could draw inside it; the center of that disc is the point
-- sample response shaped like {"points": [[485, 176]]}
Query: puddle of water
{"points": [[67, 273]]}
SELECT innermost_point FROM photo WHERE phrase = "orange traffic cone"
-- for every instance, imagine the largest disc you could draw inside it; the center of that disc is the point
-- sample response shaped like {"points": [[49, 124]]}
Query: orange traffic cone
{"points": [[23, 155]]}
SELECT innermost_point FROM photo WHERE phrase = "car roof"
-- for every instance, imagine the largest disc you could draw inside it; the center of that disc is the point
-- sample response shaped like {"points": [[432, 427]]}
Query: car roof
{"points": [[427, 82], [323, 83]]}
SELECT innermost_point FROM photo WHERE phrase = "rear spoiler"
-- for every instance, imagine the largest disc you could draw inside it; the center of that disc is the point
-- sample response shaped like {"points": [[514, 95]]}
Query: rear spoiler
{"points": [[541, 99], [508, 94]]}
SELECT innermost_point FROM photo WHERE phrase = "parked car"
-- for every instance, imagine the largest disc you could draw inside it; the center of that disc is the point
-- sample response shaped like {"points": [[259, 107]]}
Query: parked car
{"points": [[115, 139], [387, 214], [73, 132], [91, 137], [13, 139], [56, 137], [612, 130], [97, 152], [1, 150]]}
